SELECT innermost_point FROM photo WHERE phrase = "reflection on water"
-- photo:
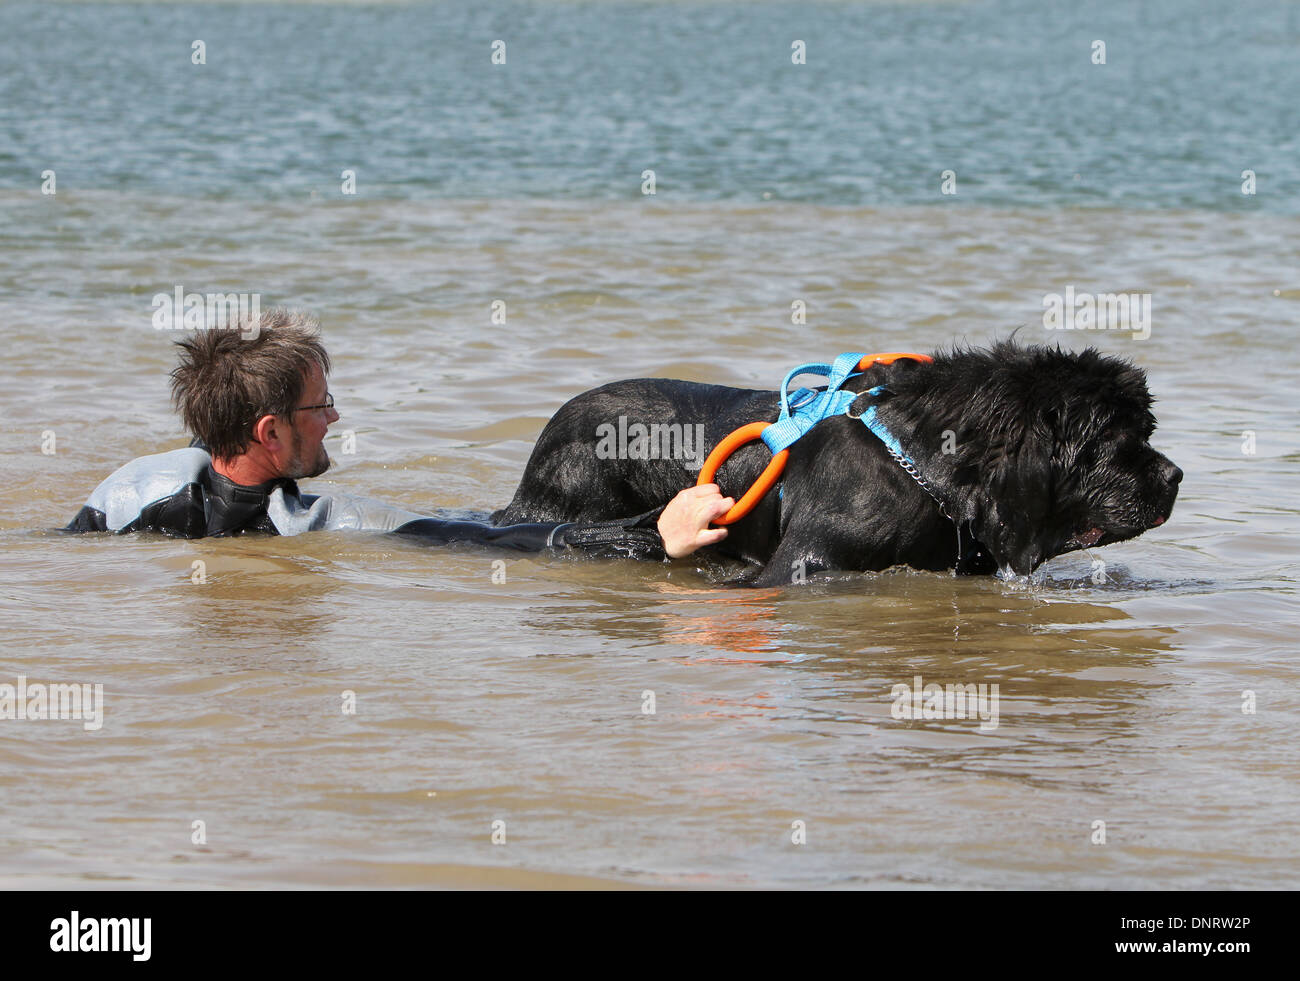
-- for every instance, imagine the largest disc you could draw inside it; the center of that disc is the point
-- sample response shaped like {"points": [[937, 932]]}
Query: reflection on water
{"points": [[233, 612], [1061, 662]]}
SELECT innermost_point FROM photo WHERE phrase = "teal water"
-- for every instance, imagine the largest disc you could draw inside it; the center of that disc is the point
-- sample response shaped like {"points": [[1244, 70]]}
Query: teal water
{"points": [[1004, 94]]}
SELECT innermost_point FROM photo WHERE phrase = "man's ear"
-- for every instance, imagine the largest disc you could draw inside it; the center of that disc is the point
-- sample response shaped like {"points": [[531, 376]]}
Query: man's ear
{"points": [[271, 431], [1013, 505]]}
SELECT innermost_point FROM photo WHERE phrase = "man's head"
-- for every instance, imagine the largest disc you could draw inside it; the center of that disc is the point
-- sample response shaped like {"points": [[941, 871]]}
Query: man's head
{"points": [[258, 394]]}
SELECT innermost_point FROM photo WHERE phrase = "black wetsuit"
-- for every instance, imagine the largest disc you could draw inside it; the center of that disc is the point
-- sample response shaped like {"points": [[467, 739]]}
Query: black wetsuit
{"points": [[179, 494]]}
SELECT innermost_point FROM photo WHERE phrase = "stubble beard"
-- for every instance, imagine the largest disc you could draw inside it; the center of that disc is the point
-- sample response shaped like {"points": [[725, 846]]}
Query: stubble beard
{"points": [[299, 468]]}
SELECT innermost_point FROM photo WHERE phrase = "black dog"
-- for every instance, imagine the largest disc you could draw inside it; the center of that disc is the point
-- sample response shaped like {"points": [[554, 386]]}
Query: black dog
{"points": [[1028, 452]]}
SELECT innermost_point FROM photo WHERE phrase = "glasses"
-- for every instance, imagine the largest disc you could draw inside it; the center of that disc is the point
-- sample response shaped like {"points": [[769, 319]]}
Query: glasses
{"points": [[327, 404]]}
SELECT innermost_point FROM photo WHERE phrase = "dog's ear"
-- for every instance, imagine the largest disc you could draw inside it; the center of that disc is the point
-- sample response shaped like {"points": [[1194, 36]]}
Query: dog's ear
{"points": [[1011, 505]]}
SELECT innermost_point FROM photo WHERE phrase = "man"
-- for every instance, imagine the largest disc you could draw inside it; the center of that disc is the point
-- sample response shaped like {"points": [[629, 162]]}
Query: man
{"points": [[257, 404]]}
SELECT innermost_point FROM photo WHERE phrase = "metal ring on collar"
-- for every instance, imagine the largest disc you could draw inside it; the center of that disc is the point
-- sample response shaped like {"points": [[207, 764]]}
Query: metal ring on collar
{"points": [[848, 409]]}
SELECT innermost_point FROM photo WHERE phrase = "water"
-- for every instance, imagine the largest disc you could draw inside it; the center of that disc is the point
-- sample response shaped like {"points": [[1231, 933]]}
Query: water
{"points": [[1004, 94], [477, 701]]}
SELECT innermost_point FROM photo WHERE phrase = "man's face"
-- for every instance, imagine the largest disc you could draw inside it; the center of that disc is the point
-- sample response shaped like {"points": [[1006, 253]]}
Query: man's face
{"points": [[307, 450]]}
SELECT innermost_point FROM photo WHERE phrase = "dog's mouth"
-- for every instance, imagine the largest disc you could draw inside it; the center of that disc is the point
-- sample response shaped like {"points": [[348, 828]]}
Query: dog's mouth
{"points": [[1087, 539], [1097, 535]]}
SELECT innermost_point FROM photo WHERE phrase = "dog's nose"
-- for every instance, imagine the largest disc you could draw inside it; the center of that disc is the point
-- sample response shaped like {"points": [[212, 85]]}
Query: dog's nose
{"points": [[1172, 473]]}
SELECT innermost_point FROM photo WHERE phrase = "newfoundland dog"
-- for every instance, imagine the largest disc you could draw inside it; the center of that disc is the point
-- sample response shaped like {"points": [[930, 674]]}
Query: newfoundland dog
{"points": [[1017, 454]]}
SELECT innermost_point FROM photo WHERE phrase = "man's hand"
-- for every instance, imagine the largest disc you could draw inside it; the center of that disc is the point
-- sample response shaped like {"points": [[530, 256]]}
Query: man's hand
{"points": [[684, 524]]}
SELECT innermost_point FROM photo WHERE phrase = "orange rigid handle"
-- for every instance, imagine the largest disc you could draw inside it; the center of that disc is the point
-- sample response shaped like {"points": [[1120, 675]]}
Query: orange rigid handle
{"points": [[753, 431], [743, 435], [890, 358]]}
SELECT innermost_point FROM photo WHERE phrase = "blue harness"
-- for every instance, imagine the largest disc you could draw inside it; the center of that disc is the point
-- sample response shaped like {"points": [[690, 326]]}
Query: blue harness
{"points": [[805, 408]]}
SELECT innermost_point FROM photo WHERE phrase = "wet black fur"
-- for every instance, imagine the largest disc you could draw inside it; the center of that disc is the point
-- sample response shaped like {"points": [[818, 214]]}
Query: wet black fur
{"points": [[1046, 445]]}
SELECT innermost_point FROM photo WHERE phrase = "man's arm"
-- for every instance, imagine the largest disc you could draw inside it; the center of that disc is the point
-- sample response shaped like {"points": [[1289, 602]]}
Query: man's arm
{"points": [[673, 531]]}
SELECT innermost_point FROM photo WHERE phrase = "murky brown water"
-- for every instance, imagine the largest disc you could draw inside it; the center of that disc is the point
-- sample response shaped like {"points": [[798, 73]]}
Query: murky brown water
{"points": [[522, 701]]}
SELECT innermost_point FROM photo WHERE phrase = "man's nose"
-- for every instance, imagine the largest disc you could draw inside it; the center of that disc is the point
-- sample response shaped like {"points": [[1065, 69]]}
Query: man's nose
{"points": [[332, 416]]}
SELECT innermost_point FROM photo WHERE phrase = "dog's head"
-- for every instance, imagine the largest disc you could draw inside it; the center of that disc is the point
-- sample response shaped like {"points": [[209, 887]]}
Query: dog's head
{"points": [[1052, 451]]}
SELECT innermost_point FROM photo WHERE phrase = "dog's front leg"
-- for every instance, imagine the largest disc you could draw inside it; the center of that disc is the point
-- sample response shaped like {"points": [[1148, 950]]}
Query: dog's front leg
{"points": [[795, 559]]}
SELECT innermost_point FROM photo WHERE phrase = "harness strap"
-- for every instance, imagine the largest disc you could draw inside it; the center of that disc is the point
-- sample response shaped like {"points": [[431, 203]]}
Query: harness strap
{"points": [[799, 413], [892, 446], [812, 407]]}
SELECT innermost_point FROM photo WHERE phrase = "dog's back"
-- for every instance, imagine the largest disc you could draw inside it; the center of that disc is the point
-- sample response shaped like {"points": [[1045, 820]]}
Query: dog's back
{"points": [[630, 446]]}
